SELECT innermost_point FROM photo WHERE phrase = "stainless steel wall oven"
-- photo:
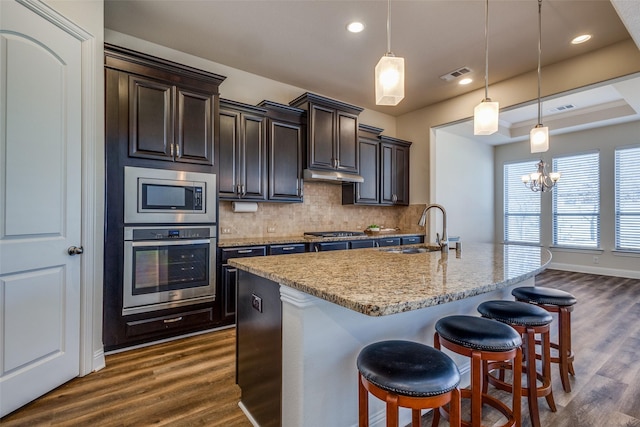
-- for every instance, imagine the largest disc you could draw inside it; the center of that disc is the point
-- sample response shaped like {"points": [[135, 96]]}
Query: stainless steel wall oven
{"points": [[166, 267]]}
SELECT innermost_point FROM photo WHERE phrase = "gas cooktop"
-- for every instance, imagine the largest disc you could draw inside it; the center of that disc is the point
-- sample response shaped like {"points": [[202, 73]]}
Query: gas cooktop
{"points": [[333, 233]]}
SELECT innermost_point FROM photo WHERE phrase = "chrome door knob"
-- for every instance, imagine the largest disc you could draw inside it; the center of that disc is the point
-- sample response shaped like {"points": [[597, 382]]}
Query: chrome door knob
{"points": [[74, 250]]}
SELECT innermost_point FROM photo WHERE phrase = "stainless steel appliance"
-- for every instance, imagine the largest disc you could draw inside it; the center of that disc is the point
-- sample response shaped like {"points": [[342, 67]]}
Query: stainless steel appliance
{"points": [[167, 267], [168, 196]]}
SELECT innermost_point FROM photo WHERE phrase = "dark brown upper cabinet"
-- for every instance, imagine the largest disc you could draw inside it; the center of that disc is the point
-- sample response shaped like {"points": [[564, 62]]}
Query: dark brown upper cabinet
{"points": [[171, 107], [332, 133], [394, 169], [384, 165], [285, 139], [367, 192], [242, 174]]}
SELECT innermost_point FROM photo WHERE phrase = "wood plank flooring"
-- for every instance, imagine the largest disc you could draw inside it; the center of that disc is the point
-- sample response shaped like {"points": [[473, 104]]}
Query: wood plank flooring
{"points": [[191, 382]]}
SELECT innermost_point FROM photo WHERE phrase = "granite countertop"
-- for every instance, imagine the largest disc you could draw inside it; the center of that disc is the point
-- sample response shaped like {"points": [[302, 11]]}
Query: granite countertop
{"points": [[378, 283], [230, 242]]}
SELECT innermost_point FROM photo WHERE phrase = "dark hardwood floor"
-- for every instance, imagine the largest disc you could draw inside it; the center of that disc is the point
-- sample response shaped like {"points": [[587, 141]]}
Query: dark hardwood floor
{"points": [[191, 382]]}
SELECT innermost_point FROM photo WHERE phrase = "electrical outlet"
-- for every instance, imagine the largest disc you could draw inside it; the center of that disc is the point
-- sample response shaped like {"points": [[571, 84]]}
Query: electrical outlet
{"points": [[225, 230], [271, 229], [256, 302], [596, 259]]}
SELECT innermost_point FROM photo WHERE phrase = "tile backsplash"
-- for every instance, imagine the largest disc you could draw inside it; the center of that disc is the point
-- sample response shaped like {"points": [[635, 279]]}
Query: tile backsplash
{"points": [[321, 210]]}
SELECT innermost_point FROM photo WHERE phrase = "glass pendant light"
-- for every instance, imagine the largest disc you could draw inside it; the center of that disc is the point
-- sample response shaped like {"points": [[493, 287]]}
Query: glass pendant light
{"points": [[485, 115], [389, 73], [539, 135]]}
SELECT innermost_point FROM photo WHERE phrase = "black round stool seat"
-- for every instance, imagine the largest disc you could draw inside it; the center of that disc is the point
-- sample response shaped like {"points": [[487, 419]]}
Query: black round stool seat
{"points": [[542, 295], [409, 375], [478, 333], [408, 368], [515, 313]]}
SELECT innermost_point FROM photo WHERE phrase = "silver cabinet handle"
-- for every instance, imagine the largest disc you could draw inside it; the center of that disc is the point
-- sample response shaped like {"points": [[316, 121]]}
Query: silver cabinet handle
{"points": [[74, 250], [288, 248], [177, 150], [175, 319], [171, 149], [245, 251]]}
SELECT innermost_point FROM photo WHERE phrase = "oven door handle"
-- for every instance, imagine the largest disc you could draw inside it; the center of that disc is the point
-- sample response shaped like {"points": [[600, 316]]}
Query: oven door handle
{"points": [[168, 242]]}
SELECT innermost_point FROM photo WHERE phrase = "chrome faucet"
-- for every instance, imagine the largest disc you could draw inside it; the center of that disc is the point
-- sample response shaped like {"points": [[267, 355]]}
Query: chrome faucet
{"points": [[442, 242]]}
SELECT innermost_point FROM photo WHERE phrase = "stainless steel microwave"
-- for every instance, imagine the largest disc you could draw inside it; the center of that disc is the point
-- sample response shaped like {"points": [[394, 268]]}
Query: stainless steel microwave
{"points": [[168, 196]]}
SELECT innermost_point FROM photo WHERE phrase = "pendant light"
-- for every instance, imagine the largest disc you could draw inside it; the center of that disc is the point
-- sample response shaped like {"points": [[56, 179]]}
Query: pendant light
{"points": [[539, 135], [389, 73], [485, 115]]}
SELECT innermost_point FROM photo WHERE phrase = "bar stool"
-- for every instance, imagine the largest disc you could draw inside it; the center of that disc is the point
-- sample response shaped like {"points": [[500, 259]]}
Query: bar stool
{"points": [[407, 374], [482, 340], [561, 302], [528, 320]]}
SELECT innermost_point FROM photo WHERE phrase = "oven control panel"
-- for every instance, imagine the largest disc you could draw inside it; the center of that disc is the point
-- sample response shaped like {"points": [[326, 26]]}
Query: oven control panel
{"points": [[168, 233]]}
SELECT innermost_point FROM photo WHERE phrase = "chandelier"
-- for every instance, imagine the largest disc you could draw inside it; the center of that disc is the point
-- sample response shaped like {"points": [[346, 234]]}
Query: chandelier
{"points": [[541, 180]]}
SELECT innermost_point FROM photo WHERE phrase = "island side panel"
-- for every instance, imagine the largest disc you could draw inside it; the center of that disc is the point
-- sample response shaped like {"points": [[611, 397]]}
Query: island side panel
{"points": [[321, 342], [259, 348]]}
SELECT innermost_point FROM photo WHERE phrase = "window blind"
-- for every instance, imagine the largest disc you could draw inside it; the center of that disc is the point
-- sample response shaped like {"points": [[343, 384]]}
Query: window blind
{"points": [[576, 201], [521, 205], [627, 198]]}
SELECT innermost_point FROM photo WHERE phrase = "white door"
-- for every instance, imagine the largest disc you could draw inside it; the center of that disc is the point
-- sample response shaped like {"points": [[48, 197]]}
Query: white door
{"points": [[40, 210]]}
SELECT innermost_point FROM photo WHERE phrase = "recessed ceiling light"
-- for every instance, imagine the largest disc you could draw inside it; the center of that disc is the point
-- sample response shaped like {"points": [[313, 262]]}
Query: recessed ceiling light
{"points": [[581, 39], [465, 81], [355, 26]]}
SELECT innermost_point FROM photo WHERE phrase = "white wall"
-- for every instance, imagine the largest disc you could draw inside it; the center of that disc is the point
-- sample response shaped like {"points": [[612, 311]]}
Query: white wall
{"points": [[464, 186], [604, 140]]}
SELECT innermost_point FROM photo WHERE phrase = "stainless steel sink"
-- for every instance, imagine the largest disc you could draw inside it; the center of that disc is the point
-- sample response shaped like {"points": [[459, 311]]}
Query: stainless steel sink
{"points": [[412, 250]]}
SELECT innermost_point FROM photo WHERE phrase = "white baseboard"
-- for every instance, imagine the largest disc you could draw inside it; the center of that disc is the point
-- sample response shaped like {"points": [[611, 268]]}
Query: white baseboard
{"points": [[629, 274]]}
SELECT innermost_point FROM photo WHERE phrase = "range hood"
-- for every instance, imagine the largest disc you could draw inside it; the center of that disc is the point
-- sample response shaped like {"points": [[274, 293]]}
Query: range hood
{"points": [[335, 177]]}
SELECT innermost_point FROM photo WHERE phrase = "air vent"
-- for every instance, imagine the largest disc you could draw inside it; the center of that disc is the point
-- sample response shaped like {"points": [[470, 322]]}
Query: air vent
{"points": [[455, 74], [561, 108]]}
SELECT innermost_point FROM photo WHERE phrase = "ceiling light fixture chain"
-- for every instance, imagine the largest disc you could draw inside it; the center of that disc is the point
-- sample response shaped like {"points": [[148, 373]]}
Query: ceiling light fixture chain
{"points": [[485, 114], [389, 72]]}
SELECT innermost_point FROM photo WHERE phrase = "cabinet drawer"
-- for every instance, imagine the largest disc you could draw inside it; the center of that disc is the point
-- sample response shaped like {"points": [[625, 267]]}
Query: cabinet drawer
{"points": [[390, 241], [242, 252], [296, 248], [359, 244], [175, 321], [412, 240], [330, 246]]}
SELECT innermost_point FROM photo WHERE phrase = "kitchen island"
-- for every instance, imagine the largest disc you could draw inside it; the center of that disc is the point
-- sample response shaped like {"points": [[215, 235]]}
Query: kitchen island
{"points": [[303, 318]]}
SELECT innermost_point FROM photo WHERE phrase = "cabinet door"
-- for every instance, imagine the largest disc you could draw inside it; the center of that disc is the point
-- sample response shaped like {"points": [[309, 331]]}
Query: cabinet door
{"points": [[194, 139], [369, 190], [228, 174], [386, 179], [285, 161], [347, 142], [253, 165], [395, 174], [401, 175], [150, 119], [321, 153]]}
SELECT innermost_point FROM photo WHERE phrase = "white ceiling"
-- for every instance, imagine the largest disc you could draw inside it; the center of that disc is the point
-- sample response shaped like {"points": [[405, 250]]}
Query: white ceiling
{"points": [[304, 43]]}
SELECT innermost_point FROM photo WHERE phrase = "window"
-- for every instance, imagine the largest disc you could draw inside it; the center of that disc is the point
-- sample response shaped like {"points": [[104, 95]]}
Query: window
{"points": [[627, 186], [521, 205], [576, 201]]}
